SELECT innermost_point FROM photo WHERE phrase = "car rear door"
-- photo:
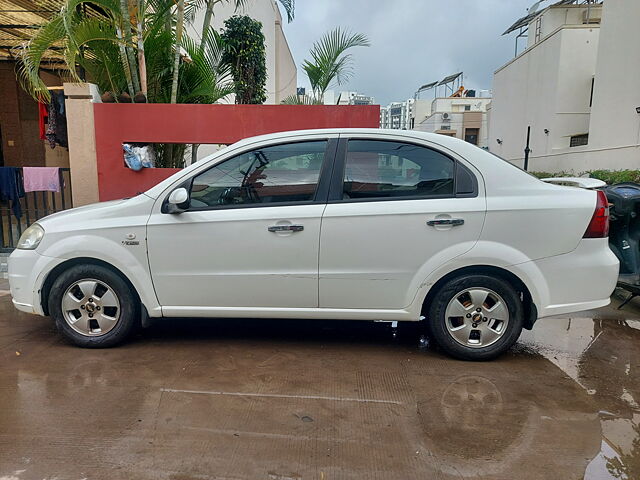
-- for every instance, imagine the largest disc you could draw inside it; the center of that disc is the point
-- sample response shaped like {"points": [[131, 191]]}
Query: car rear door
{"points": [[250, 236], [397, 210]]}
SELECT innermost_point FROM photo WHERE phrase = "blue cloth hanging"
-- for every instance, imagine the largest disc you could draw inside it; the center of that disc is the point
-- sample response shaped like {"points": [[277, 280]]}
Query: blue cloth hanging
{"points": [[11, 188]]}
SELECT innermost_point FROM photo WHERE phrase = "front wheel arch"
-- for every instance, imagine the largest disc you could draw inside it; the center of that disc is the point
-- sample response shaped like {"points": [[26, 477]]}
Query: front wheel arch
{"points": [[59, 269], [530, 310]]}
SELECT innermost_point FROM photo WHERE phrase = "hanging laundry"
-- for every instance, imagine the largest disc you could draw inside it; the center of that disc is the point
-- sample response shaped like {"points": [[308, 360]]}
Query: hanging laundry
{"points": [[11, 189], [41, 179], [56, 132], [50, 133], [43, 119]]}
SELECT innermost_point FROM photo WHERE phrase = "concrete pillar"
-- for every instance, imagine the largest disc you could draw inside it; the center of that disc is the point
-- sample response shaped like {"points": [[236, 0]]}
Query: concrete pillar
{"points": [[80, 98]]}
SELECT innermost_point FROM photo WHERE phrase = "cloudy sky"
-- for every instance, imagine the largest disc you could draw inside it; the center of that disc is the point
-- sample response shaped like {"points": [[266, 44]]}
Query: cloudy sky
{"points": [[413, 42]]}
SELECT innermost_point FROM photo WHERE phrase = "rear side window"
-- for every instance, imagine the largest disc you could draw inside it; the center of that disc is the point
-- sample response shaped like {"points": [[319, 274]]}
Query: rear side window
{"points": [[381, 169]]}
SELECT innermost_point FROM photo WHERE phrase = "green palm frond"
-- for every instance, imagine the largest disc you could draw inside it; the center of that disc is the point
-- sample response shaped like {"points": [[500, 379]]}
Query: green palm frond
{"points": [[87, 32], [289, 8], [205, 79], [329, 61], [301, 100], [28, 69]]}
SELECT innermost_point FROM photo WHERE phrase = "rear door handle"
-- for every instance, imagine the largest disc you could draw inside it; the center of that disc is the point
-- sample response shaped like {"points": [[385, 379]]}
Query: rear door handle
{"points": [[454, 222], [286, 228]]}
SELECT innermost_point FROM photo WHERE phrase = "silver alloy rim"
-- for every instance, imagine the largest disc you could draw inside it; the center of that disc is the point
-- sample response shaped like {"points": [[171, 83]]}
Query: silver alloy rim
{"points": [[477, 317], [90, 307]]}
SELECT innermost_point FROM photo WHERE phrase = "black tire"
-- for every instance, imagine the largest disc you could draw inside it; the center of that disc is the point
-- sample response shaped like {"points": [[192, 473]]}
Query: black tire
{"points": [[436, 321], [128, 318]]}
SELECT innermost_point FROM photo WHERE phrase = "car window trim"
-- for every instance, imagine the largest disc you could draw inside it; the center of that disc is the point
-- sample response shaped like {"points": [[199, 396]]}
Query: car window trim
{"points": [[320, 195], [336, 191]]}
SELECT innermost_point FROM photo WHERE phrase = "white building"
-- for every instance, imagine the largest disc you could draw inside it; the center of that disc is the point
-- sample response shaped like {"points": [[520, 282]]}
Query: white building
{"points": [[281, 68], [397, 115], [331, 97], [577, 85], [461, 117]]}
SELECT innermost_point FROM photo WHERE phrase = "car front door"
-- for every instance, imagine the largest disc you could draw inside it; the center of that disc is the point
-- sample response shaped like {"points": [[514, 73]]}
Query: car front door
{"points": [[249, 238], [396, 211]]}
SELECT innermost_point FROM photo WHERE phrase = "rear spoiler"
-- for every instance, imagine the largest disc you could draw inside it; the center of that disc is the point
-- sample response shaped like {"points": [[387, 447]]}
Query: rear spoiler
{"points": [[579, 182]]}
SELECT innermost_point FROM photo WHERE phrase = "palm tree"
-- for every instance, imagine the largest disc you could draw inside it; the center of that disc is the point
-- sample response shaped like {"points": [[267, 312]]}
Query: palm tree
{"points": [[108, 39], [329, 64]]}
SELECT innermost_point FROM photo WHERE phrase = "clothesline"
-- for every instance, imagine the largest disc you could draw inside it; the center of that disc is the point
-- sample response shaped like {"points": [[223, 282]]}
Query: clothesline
{"points": [[14, 185]]}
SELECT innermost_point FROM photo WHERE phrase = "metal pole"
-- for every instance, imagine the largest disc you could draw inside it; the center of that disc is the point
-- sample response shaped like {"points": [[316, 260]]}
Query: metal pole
{"points": [[527, 150]]}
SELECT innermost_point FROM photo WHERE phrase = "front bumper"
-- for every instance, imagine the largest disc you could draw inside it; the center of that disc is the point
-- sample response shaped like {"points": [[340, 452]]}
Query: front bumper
{"points": [[27, 271]]}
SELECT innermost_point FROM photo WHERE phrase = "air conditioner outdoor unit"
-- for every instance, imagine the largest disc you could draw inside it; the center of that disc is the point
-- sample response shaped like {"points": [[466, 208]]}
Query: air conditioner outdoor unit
{"points": [[445, 116]]}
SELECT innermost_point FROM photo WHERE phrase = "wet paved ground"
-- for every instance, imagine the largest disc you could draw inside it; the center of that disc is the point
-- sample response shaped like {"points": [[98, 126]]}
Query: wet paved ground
{"points": [[282, 400]]}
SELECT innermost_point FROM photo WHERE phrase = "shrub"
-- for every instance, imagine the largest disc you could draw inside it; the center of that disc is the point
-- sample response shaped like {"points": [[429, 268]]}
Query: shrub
{"points": [[245, 53], [610, 177]]}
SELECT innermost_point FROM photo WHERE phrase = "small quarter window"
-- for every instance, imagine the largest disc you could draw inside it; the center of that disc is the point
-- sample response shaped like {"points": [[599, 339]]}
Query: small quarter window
{"points": [[381, 169]]}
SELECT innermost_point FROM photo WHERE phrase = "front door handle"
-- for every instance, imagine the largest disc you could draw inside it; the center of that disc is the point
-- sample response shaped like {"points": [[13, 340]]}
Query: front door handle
{"points": [[454, 222], [286, 228]]}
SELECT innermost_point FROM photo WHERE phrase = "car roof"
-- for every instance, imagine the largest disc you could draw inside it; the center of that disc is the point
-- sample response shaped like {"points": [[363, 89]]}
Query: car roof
{"points": [[432, 137]]}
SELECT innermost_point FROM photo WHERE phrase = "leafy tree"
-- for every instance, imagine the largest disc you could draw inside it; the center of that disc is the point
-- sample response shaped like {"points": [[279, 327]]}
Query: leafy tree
{"points": [[330, 63], [245, 54], [109, 41]]}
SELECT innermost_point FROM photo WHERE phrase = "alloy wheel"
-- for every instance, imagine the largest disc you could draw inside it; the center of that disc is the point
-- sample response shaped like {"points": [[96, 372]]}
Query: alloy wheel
{"points": [[90, 307], [477, 317]]}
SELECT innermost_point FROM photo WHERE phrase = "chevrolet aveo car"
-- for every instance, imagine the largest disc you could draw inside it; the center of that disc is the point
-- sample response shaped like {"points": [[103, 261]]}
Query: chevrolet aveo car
{"points": [[327, 224]]}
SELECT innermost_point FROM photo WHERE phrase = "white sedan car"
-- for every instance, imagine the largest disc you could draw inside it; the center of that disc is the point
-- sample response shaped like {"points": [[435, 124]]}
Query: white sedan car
{"points": [[343, 224]]}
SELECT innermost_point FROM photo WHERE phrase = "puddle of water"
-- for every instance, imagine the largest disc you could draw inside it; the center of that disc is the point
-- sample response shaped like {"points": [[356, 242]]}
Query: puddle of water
{"points": [[602, 355]]}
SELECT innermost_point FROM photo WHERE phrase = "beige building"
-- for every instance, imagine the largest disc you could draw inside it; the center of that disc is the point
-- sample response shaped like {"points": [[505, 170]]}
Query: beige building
{"points": [[461, 117], [281, 68]]}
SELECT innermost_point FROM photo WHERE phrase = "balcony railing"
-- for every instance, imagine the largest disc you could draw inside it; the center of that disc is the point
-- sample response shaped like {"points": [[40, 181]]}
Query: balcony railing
{"points": [[34, 206]]}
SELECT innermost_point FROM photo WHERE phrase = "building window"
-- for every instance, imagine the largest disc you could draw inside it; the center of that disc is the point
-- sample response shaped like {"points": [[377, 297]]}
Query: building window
{"points": [[579, 140], [445, 127], [467, 108], [471, 135]]}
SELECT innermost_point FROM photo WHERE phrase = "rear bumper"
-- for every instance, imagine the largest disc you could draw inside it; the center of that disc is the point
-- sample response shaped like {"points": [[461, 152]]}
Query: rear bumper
{"points": [[581, 280]]}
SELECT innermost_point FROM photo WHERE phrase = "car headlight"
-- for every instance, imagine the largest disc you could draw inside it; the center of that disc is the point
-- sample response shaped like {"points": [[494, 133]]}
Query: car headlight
{"points": [[31, 237]]}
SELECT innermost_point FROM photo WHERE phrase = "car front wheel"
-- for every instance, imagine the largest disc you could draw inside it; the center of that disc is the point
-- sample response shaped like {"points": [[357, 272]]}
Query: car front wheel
{"points": [[93, 306], [475, 317]]}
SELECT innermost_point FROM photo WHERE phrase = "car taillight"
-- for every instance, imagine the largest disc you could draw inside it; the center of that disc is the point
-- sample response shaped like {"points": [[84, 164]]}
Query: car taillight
{"points": [[599, 224]]}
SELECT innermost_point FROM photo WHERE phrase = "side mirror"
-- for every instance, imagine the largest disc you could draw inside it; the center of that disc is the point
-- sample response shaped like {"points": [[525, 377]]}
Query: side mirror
{"points": [[178, 200]]}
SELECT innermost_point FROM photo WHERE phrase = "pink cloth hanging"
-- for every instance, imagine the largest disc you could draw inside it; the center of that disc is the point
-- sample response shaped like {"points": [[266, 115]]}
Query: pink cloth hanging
{"points": [[41, 179]]}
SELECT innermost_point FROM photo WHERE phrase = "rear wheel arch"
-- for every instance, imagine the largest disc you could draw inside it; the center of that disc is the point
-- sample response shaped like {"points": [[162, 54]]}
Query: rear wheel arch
{"points": [[530, 310], [59, 269]]}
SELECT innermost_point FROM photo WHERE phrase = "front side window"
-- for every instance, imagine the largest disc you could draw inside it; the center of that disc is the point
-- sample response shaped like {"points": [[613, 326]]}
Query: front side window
{"points": [[271, 175], [381, 169]]}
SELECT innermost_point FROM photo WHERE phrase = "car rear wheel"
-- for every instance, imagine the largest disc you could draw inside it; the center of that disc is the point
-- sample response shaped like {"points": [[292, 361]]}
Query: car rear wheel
{"points": [[475, 317], [93, 306]]}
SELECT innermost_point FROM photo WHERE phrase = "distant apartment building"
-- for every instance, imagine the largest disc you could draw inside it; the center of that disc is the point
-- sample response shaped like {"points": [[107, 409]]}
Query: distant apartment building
{"points": [[332, 97], [462, 117], [397, 115], [281, 67], [577, 85]]}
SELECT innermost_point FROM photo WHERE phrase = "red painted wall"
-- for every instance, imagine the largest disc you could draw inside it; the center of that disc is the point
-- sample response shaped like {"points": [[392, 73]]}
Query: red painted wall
{"points": [[116, 124]]}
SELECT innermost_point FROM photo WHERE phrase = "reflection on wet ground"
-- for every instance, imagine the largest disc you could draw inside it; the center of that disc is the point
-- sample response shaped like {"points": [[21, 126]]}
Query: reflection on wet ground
{"points": [[194, 399]]}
